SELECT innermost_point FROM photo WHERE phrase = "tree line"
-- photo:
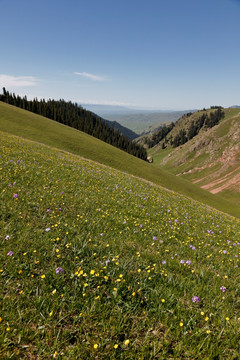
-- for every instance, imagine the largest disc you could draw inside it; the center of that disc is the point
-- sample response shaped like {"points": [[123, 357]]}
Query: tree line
{"points": [[158, 135], [74, 115], [205, 120]]}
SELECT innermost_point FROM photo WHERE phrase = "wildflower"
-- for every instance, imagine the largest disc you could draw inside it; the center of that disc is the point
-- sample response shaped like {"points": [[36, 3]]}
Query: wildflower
{"points": [[163, 300], [195, 299], [47, 229], [227, 318], [43, 276], [223, 288], [54, 291], [95, 346], [126, 342], [10, 253], [182, 261], [188, 262], [208, 331], [7, 237], [115, 346], [59, 270], [164, 262], [181, 323], [55, 354], [15, 196], [206, 318]]}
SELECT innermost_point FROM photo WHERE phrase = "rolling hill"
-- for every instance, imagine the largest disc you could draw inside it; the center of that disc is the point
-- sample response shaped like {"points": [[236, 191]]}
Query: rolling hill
{"points": [[37, 128], [99, 264], [211, 159]]}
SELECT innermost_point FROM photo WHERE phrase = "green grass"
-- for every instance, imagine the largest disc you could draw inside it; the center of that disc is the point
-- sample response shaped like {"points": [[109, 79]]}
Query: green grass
{"points": [[98, 264], [210, 155], [159, 156], [34, 127]]}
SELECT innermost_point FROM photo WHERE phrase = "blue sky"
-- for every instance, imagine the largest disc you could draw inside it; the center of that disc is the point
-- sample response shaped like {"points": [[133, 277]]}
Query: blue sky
{"points": [[163, 54]]}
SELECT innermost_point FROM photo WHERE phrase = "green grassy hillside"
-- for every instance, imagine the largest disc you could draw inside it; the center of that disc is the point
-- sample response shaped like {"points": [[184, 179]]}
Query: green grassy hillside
{"points": [[98, 264], [211, 159], [25, 124]]}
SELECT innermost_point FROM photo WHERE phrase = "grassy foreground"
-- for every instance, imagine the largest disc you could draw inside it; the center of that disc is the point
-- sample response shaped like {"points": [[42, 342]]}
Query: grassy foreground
{"points": [[97, 264], [37, 128]]}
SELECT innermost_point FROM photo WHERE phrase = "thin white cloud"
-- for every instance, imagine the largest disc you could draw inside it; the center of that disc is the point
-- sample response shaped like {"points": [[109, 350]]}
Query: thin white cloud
{"points": [[17, 81], [91, 76]]}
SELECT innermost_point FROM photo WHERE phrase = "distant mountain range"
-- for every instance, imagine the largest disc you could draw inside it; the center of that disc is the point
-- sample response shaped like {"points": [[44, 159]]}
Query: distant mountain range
{"points": [[122, 129], [139, 121]]}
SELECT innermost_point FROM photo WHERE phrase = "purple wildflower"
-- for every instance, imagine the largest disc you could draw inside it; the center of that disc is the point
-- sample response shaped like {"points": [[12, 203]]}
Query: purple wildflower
{"points": [[47, 229], [224, 251], [188, 262], [182, 262], [223, 288], [154, 238], [15, 196], [10, 253], [195, 299], [59, 270], [164, 262]]}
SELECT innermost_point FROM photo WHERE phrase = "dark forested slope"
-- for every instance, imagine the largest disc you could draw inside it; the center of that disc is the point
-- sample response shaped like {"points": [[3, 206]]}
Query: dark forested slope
{"points": [[75, 116]]}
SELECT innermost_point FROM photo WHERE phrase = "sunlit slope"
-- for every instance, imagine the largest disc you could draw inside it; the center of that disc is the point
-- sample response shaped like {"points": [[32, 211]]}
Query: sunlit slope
{"points": [[99, 264], [34, 127], [211, 159]]}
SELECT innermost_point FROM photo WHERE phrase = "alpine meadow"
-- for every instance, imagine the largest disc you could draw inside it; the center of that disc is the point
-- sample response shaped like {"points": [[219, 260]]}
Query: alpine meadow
{"points": [[120, 180], [97, 263]]}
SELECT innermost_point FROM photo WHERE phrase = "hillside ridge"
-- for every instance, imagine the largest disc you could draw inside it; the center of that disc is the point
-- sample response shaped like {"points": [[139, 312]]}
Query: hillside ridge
{"points": [[211, 159], [34, 127], [75, 116]]}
